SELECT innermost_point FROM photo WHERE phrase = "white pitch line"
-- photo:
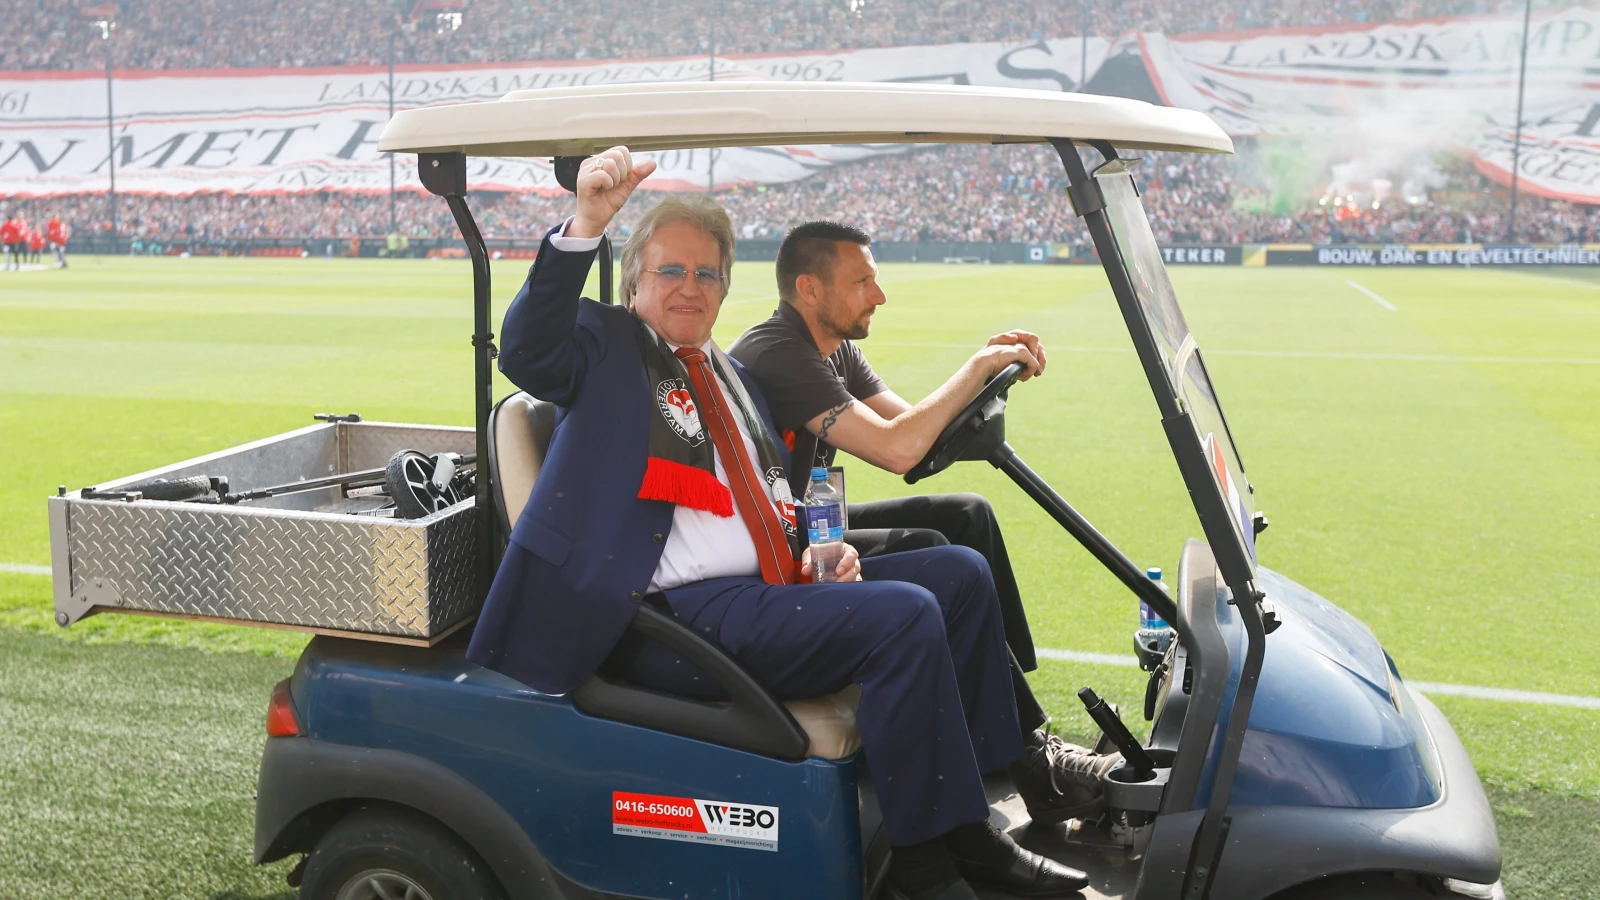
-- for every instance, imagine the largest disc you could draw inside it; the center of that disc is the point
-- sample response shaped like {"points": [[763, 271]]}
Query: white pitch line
{"points": [[1539, 698], [1093, 659], [1304, 354], [1412, 357], [1381, 302], [1507, 695]]}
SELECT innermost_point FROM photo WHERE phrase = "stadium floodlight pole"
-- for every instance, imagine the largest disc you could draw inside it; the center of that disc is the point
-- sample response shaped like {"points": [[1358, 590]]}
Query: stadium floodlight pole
{"points": [[106, 27], [1516, 145], [711, 75], [1083, 51], [394, 221]]}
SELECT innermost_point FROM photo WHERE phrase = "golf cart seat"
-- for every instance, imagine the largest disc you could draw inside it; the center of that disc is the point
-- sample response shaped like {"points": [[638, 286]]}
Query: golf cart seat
{"points": [[519, 434]]}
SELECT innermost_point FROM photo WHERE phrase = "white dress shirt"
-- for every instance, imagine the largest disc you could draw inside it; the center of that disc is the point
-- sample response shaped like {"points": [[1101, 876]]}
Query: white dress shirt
{"points": [[701, 545]]}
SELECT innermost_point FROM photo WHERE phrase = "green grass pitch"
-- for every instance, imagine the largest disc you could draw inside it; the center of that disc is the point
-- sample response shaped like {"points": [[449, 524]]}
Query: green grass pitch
{"points": [[1435, 469]]}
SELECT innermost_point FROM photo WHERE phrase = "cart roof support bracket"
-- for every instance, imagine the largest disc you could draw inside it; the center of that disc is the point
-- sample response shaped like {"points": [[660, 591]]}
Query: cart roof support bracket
{"points": [[1086, 198], [444, 174], [1082, 191]]}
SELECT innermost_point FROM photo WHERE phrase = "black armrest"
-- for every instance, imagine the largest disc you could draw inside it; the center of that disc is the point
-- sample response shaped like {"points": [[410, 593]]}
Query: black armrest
{"points": [[754, 720]]}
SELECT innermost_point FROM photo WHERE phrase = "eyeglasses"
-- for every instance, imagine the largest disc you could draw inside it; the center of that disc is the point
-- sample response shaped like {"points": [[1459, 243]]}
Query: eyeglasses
{"points": [[672, 277]]}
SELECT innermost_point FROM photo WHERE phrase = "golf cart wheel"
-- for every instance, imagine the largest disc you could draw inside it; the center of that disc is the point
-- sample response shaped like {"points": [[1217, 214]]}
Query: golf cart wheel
{"points": [[1363, 886], [391, 853], [409, 478]]}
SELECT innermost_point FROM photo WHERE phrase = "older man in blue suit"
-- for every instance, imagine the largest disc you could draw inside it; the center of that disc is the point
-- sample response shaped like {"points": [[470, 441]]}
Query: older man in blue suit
{"points": [[663, 483]]}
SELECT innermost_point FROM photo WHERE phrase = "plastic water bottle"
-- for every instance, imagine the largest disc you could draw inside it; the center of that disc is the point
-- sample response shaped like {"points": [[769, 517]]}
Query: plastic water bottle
{"points": [[824, 527], [1154, 632]]}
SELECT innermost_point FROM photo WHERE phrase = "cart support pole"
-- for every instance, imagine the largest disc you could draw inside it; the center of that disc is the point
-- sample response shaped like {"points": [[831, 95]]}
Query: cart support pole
{"points": [[1206, 851], [1210, 839], [1006, 460], [445, 174]]}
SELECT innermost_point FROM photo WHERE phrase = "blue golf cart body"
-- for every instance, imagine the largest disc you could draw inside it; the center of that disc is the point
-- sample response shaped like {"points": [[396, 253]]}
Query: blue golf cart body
{"points": [[1290, 758]]}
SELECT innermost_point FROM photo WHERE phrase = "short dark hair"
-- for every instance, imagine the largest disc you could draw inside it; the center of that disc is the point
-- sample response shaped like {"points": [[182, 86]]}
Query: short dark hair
{"points": [[811, 249]]}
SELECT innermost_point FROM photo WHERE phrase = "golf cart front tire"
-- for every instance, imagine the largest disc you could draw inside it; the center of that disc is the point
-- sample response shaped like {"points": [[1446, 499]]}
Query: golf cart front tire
{"points": [[394, 848]]}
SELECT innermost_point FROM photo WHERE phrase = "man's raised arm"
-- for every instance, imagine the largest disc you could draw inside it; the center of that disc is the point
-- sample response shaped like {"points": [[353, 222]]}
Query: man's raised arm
{"points": [[890, 433], [546, 346]]}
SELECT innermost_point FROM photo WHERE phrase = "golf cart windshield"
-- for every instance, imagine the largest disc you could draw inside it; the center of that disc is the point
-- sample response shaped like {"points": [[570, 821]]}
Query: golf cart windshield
{"points": [[1182, 370]]}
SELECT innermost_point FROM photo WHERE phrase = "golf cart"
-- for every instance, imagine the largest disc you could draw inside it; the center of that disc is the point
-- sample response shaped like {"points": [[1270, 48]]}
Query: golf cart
{"points": [[1287, 758]]}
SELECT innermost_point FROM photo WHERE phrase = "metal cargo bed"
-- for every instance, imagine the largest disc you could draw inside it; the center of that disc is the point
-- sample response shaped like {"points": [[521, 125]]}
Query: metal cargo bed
{"points": [[314, 561]]}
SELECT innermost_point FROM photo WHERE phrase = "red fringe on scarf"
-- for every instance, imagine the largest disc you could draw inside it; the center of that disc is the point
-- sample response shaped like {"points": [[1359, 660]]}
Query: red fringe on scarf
{"points": [[689, 486]]}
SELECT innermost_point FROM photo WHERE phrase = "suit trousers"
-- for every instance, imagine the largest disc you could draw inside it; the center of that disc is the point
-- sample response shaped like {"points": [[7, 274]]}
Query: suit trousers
{"points": [[934, 520], [966, 520], [873, 542], [922, 637]]}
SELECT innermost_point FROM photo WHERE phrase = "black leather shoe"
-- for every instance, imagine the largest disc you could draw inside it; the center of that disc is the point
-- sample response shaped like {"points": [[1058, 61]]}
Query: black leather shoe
{"points": [[1020, 872]]}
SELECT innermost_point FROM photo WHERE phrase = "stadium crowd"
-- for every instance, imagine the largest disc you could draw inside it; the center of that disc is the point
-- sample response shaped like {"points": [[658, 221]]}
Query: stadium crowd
{"points": [[975, 193], [170, 34]]}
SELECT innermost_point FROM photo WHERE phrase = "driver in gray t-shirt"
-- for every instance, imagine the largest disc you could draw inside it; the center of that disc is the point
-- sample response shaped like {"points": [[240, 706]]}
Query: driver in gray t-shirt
{"points": [[782, 354], [825, 397]]}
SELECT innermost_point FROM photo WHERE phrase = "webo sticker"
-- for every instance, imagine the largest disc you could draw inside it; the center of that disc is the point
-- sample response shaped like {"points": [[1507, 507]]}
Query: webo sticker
{"points": [[699, 821]]}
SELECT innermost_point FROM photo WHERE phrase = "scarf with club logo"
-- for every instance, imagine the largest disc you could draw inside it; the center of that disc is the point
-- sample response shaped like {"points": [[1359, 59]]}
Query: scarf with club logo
{"points": [[681, 465]]}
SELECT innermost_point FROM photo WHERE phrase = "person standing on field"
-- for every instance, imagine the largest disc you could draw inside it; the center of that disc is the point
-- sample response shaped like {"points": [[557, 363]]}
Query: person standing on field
{"points": [[11, 234], [56, 234], [35, 246]]}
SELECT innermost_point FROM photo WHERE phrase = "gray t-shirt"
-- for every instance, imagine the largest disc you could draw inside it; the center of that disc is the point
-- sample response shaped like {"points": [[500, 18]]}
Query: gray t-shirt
{"points": [[800, 384]]}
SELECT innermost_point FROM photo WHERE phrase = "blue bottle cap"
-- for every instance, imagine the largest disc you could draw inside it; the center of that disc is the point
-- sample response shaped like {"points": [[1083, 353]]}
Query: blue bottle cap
{"points": [[1153, 573], [819, 474]]}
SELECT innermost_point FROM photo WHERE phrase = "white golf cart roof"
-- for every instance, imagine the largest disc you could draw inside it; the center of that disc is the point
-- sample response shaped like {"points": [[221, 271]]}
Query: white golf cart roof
{"points": [[582, 121]]}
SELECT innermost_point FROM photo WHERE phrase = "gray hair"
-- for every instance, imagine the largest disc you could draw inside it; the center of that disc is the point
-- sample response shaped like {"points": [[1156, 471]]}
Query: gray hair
{"points": [[698, 210]]}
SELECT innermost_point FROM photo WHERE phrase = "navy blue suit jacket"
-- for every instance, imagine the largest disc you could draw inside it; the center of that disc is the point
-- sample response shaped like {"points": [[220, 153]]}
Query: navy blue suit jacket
{"points": [[584, 549]]}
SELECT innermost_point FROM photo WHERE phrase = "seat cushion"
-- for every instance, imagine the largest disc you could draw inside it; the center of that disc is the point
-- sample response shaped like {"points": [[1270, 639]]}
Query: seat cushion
{"points": [[522, 429], [830, 723]]}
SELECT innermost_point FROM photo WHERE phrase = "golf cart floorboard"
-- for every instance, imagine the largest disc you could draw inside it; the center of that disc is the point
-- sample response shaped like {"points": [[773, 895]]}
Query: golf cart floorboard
{"points": [[1113, 875]]}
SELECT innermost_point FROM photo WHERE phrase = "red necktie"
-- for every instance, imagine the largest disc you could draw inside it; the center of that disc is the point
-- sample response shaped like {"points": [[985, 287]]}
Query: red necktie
{"points": [[749, 490]]}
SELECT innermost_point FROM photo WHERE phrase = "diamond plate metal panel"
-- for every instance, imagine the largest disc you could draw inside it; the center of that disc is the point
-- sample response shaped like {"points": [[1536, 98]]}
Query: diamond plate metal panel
{"points": [[394, 577], [368, 445], [343, 572]]}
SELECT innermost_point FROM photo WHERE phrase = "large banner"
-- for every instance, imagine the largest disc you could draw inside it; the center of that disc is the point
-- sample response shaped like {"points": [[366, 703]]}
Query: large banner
{"points": [[285, 130], [1383, 96], [1421, 255]]}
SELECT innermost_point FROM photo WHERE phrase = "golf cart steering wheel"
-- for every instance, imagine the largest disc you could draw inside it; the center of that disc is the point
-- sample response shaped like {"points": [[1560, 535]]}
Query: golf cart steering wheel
{"points": [[948, 446]]}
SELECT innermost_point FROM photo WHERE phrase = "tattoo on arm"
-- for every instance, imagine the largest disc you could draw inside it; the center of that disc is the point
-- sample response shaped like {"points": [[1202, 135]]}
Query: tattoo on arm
{"points": [[831, 418]]}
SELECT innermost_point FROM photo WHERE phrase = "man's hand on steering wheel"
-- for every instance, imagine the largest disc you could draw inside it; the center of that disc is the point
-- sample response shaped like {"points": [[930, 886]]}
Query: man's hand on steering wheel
{"points": [[1013, 347], [1027, 339]]}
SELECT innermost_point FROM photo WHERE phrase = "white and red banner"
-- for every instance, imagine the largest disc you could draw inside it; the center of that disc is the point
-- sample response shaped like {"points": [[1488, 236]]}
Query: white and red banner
{"points": [[295, 130], [1376, 99], [1386, 95]]}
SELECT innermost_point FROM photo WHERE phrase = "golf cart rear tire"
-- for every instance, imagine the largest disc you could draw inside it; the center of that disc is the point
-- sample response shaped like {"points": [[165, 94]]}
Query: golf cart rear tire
{"points": [[400, 843], [1363, 886]]}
